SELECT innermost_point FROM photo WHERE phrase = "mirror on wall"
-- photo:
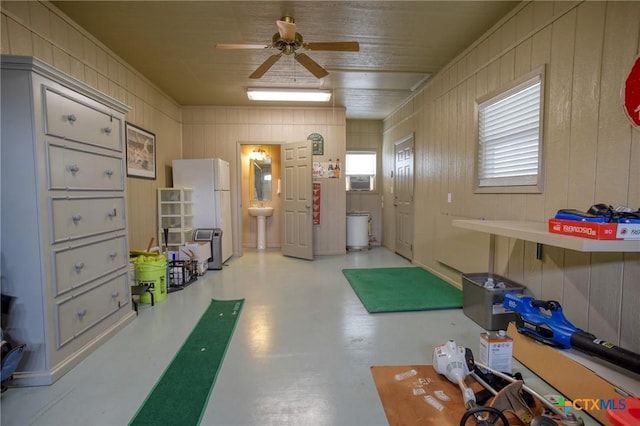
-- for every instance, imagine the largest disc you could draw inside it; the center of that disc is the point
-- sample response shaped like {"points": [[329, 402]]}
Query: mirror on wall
{"points": [[261, 179]]}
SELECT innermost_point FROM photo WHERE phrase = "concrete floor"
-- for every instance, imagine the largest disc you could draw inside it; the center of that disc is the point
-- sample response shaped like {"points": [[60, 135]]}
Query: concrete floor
{"points": [[300, 354]]}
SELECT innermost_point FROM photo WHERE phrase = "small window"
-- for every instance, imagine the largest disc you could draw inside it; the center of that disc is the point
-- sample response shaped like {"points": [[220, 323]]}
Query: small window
{"points": [[360, 170], [510, 137]]}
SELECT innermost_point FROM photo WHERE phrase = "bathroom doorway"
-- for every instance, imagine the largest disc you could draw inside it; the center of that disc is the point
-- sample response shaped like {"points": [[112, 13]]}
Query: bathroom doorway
{"points": [[258, 185]]}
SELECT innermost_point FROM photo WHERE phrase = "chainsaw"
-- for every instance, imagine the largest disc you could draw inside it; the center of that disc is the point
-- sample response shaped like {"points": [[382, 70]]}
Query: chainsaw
{"points": [[544, 321]]}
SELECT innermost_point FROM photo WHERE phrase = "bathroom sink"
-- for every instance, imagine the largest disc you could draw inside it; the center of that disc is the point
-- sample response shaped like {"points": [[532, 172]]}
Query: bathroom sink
{"points": [[261, 214], [261, 211]]}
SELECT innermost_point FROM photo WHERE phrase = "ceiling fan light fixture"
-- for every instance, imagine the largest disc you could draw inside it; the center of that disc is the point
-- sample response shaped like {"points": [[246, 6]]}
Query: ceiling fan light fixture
{"points": [[289, 95]]}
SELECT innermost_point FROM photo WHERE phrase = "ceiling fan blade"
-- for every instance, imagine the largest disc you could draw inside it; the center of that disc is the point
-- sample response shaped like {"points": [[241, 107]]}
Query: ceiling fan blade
{"points": [[241, 46], [341, 46], [287, 30], [311, 65], [265, 66]]}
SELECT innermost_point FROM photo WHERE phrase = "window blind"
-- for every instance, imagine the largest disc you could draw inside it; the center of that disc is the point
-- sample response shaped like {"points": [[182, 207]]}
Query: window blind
{"points": [[509, 136], [360, 163]]}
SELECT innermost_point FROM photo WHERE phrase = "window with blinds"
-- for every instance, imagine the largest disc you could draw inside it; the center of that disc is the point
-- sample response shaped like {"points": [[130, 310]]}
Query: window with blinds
{"points": [[510, 134], [360, 169]]}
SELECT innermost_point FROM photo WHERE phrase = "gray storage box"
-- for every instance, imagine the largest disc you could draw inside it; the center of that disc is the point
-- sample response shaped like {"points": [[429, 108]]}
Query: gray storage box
{"points": [[484, 305]]}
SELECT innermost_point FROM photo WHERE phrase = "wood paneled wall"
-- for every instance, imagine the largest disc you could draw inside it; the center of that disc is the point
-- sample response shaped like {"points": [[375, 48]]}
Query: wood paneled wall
{"points": [[367, 135], [209, 132], [39, 29], [591, 153]]}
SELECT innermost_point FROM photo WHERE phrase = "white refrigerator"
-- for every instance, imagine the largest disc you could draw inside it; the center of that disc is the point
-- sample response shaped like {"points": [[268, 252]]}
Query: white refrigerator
{"points": [[209, 180]]}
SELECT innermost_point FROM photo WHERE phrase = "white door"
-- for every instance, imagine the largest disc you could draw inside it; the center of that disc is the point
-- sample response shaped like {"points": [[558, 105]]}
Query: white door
{"points": [[297, 214], [403, 198]]}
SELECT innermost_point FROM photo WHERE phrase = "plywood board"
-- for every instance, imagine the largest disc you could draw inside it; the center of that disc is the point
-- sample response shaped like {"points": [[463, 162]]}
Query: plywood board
{"points": [[572, 379], [417, 395], [403, 390]]}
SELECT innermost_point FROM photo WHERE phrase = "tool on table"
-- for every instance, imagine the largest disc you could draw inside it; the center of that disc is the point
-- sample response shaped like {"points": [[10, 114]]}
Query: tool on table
{"points": [[544, 321], [518, 405], [450, 361], [510, 399], [600, 213], [456, 363]]}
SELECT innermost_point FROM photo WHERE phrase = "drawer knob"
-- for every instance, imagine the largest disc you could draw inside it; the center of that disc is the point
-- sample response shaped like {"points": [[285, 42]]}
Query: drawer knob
{"points": [[79, 266], [112, 213], [113, 254], [73, 168], [76, 218], [71, 118], [107, 130], [115, 294], [108, 172], [82, 313]]}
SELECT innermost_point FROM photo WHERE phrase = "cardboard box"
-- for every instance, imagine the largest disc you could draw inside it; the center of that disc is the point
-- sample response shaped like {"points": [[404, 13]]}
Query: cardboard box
{"points": [[572, 379], [196, 251], [628, 231], [595, 231]]}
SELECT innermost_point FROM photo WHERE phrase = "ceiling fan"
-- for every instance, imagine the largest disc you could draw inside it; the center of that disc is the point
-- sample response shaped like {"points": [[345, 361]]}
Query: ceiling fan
{"points": [[288, 41]]}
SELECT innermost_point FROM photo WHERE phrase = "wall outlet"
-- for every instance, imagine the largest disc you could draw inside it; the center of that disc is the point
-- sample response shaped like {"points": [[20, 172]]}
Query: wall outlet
{"points": [[449, 198]]}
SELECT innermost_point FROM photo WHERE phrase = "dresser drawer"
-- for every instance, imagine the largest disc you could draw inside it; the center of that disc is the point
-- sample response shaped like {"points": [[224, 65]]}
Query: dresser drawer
{"points": [[80, 264], [77, 119], [83, 310], [75, 169], [78, 217]]}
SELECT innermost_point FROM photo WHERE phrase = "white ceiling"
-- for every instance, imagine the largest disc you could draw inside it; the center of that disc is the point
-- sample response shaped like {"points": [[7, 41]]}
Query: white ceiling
{"points": [[401, 45]]}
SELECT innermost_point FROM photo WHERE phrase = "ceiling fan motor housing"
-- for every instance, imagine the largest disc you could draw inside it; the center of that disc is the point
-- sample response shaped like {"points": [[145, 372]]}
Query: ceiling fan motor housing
{"points": [[287, 46]]}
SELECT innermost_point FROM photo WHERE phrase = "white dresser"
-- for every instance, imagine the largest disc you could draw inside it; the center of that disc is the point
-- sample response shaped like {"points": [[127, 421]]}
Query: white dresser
{"points": [[64, 253]]}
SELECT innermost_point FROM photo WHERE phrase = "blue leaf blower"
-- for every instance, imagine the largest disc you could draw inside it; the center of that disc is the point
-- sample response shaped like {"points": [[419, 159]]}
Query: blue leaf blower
{"points": [[544, 321]]}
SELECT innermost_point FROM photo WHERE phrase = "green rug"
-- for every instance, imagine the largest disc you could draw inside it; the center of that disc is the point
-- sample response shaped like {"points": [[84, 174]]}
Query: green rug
{"points": [[402, 289], [182, 393]]}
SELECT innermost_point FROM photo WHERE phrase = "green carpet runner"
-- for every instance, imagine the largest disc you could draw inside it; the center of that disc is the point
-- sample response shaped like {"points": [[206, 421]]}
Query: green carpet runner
{"points": [[402, 289], [182, 393]]}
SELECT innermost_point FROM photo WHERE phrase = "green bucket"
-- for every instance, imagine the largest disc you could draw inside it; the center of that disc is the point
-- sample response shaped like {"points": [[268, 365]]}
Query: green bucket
{"points": [[152, 270]]}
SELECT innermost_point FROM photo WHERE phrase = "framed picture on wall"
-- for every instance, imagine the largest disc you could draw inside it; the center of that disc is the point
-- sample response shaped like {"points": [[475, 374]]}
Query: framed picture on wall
{"points": [[141, 152]]}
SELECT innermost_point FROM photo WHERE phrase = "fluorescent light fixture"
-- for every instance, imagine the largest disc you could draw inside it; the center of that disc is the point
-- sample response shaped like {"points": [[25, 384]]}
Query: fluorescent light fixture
{"points": [[294, 95]]}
